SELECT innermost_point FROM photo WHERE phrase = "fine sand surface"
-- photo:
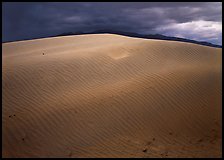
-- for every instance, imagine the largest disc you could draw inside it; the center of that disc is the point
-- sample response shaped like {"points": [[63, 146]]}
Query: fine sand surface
{"points": [[111, 96]]}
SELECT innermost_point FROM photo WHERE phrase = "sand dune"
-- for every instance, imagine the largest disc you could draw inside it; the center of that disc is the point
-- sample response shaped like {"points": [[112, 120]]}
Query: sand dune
{"points": [[111, 96]]}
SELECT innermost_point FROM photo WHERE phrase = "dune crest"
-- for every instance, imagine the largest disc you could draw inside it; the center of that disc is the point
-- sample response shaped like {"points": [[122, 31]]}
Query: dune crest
{"points": [[104, 95]]}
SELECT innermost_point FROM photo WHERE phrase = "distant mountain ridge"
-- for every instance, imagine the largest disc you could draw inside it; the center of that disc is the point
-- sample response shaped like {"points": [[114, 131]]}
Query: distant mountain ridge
{"points": [[128, 34], [148, 36]]}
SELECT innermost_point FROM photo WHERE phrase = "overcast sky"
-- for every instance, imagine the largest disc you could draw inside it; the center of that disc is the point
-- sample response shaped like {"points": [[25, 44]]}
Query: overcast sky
{"points": [[193, 20]]}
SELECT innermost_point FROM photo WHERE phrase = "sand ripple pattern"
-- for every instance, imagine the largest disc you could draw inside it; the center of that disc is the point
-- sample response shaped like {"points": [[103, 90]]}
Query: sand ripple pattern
{"points": [[111, 96]]}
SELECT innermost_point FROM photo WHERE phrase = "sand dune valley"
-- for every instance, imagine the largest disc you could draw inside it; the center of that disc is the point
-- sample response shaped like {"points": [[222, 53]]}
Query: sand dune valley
{"points": [[106, 95]]}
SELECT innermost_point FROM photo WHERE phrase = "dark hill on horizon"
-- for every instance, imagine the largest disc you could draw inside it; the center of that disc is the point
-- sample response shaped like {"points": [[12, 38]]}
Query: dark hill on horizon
{"points": [[146, 36], [130, 34]]}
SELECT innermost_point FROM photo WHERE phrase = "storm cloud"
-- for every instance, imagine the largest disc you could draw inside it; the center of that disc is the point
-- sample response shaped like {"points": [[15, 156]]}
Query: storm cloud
{"points": [[193, 20]]}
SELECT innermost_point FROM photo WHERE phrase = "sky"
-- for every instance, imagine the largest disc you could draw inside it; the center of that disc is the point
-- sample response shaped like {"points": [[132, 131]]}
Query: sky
{"points": [[201, 21]]}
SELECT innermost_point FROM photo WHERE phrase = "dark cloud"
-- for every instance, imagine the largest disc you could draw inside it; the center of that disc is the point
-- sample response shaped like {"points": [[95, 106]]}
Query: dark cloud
{"points": [[195, 20]]}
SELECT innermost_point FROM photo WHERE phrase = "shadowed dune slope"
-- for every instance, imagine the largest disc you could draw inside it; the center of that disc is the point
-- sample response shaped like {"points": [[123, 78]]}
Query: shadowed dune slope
{"points": [[104, 95]]}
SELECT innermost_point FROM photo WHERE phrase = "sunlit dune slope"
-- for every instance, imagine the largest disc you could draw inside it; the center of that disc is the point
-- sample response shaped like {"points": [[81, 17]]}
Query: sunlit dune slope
{"points": [[105, 95]]}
